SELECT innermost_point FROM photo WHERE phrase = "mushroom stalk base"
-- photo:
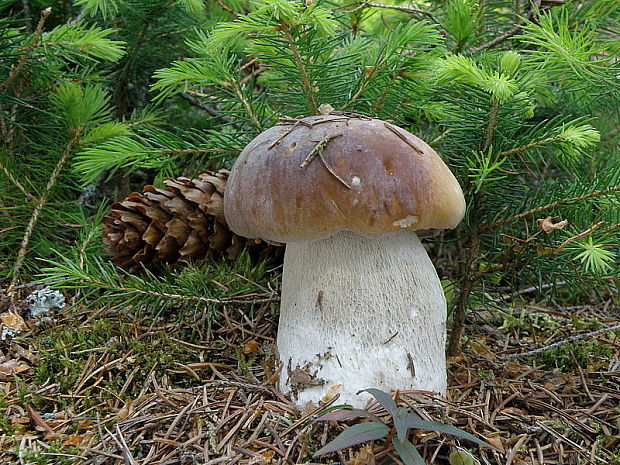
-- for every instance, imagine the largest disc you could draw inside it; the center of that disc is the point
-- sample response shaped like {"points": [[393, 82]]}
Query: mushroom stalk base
{"points": [[360, 313]]}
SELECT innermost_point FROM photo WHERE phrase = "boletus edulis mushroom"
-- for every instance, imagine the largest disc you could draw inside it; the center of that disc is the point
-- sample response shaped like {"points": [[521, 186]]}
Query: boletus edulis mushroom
{"points": [[362, 305]]}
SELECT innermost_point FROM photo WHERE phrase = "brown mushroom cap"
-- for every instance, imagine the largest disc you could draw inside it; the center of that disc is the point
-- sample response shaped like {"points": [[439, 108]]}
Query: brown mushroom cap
{"points": [[312, 178]]}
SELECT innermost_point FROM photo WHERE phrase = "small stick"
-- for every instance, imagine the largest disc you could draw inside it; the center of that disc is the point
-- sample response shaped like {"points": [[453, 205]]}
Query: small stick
{"points": [[122, 446], [560, 343], [318, 148], [309, 124], [581, 235], [331, 170], [396, 7], [296, 123], [286, 133], [402, 137]]}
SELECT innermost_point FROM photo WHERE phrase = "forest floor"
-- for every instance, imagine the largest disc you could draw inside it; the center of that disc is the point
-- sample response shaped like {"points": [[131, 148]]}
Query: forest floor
{"points": [[97, 386]]}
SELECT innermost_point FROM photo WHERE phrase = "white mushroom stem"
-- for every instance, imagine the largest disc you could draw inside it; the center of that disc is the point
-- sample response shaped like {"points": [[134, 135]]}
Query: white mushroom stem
{"points": [[358, 313]]}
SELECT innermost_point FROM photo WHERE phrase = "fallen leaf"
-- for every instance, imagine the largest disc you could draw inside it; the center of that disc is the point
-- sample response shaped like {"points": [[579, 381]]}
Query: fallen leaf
{"points": [[11, 367], [364, 456], [461, 457], [543, 250], [331, 393], [13, 321], [17, 421], [456, 359], [496, 442], [39, 421], [480, 349], [76, 439], [250, 347], [265, 458], [125, 410], [547, 224]]}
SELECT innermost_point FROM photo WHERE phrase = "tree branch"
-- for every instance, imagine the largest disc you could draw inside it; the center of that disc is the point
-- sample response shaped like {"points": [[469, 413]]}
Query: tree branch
{"points": [[208, 108], [555, 345], [551, 205], [38, 207], [26, 51], [507, 35], [302, 72], [15, 182], [525, 147]]}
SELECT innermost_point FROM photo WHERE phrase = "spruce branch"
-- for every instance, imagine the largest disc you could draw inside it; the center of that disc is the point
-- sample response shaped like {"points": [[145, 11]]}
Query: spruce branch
{"points": [[549, 206], [491, 126], [523, 148], [226, 8], [507, 35], [246, 104], [16, 183], [581, 235], [471, 250], [253, 298], [303, 73], [26, 51], [362, 88], [40, 203], [208, 108], [120, 94], [26, 10]]}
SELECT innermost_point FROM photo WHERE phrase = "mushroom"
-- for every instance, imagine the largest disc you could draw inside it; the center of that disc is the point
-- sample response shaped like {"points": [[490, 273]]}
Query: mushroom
{"points": [[361, 305]]}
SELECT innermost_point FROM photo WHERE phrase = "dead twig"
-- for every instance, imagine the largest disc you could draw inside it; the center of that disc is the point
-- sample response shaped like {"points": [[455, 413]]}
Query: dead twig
{"points": [[122, 446], [402, 137], [331, 170], [40, 203], [555, 345], [318, 148]]}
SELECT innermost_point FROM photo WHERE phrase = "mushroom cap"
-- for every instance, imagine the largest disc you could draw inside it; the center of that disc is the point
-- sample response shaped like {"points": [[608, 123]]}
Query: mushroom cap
{"points": [[316, 176]]}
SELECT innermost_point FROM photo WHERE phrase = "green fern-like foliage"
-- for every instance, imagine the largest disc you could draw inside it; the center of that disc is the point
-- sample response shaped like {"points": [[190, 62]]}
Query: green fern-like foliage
{"points": [[524, 121], [521, 102], [61, 87]]}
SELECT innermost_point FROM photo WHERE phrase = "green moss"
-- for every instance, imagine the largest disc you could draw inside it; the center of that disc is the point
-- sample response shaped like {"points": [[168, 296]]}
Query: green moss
{"points": [[55, 455], [582, 353]]}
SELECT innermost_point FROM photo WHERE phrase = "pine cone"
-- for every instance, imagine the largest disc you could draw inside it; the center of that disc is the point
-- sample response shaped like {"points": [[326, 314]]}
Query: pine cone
{"points": [[183, 221]]}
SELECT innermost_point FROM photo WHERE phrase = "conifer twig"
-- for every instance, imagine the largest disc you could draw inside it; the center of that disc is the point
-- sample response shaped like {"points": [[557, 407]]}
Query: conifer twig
{"points": [[246, 104], [318, 148], [26, 9], [331, 170], [555, 345], [254, 298], [491, 127], [208, 108], [525, 147], [16, 183], [551, 205], [302, 71], [507, 35], [26, 51], [40, 203], [581, 235]]}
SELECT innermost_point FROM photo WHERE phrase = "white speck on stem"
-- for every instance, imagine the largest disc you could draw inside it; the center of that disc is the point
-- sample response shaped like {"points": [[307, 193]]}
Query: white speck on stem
{"points": [[407, 221]]}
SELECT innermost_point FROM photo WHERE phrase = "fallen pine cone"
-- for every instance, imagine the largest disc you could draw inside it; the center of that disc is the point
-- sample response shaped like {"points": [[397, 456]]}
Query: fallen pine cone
{"points": [[183, 221]]}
